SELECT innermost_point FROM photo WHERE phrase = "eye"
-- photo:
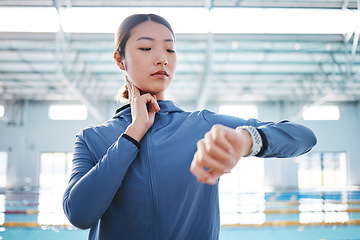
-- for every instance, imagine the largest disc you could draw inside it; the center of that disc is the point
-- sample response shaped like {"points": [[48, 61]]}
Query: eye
{"points": [[145, 49], [170, 51]]}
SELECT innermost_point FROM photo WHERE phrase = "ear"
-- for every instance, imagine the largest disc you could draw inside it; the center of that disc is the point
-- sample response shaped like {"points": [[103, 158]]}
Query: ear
{"points": [[119, 60]]}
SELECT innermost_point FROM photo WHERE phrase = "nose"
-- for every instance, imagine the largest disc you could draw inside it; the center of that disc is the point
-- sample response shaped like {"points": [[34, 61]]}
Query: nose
{"points": [[161, 60]]}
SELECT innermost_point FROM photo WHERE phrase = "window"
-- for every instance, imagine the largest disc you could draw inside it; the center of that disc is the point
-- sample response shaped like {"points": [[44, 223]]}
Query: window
{"points": [[3, 176], [248, 175], [55, 170], [242, 111], [2, 111], [322, 169], [3, 168], [198, 20], [67, 112], [328, 112]]}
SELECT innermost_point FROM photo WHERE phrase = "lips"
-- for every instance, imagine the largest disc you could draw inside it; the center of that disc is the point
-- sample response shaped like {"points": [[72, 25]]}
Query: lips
{"points": [[160, 73]]}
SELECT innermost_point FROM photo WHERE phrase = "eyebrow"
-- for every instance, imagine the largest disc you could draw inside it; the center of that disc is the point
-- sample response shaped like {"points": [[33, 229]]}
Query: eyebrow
{"points": [[152, 39]]}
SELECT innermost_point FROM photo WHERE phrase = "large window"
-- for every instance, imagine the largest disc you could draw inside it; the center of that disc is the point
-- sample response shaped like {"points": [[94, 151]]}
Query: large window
{"points": [[322, 169], [3, 168], [55, 170], [247, 176], [2, 111], [67, 112], [325, 112], [241, 111]]}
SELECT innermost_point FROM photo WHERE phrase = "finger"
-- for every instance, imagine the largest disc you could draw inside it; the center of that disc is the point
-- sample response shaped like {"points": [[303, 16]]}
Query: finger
{"points": [[218, 135], [197, 168], [148, 102], [204, 166], [218, 161], [155, 105], [215, 174], [129, 87], [216, 151], [200, 173], [136, 91], [151, 100]]}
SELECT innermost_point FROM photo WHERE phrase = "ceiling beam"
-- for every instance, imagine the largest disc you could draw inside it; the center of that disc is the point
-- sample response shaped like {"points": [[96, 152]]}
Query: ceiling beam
{"points": [[73, 79]]}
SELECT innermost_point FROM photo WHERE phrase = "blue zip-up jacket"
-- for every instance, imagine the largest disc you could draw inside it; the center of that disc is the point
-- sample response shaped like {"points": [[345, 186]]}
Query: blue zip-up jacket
{"points": [[122, 189]]}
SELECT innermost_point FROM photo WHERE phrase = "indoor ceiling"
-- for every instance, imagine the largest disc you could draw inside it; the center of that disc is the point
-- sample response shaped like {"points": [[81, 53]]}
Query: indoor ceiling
{"points": [[212, 68]]}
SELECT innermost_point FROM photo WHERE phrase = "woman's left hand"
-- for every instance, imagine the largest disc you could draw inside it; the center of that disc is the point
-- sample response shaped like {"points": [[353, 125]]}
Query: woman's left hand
{"points": [[218, 152]]}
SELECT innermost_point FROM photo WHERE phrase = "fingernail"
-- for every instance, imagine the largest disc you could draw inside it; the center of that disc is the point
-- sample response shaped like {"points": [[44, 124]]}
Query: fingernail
{"points": [[226, 170]]}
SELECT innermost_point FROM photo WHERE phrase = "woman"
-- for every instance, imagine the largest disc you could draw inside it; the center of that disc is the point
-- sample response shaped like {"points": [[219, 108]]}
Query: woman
{"points": [[152, 171]]}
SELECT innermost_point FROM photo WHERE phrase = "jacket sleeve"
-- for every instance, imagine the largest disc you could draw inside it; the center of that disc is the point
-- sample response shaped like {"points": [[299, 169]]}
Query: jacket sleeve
{"points": [[285, 139], [282, 139], [92, 186]]}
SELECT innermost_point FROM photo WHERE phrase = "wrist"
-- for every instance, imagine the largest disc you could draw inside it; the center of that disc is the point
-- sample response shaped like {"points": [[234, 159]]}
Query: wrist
{"points": [[136, 131], [246, 142], [255, 139]]}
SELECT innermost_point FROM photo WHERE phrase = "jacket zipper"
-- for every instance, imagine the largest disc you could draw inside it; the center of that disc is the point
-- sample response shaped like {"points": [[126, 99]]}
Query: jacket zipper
{"points": [[151, 183]]}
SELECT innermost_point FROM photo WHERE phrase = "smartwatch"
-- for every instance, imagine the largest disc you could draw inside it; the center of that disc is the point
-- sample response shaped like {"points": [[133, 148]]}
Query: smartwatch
{"points": [[257, 143]]}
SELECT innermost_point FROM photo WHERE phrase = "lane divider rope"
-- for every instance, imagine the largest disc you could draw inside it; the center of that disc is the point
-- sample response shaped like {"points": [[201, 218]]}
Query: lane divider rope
{"points": [[268, 211], [266, 224], [279, 223]]}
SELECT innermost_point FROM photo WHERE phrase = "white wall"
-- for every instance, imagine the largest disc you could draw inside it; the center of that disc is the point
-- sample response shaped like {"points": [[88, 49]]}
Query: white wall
{"points": [[341, 135], [33, 134]]}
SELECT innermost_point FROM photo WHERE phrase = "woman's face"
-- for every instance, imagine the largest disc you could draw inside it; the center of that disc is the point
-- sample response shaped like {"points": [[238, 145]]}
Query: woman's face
{"points": [[150, 58]]}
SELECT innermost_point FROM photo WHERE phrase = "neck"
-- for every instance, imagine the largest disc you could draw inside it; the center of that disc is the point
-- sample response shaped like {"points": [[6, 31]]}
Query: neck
{"points": [[159, 96]]}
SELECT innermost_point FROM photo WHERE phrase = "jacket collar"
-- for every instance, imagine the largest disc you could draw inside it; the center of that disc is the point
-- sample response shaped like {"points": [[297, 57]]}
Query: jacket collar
{"points": [[166, 106]]}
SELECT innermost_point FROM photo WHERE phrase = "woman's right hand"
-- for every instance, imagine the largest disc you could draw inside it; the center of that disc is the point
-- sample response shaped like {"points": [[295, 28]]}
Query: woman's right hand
{"points": [[143, 109]]}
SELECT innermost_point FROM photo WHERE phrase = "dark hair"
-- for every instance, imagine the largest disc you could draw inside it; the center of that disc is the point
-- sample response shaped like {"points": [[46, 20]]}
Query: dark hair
{"points": [[124, 30]]}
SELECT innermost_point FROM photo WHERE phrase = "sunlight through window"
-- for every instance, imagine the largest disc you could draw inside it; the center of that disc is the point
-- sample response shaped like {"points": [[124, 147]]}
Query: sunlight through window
{"points": [[282, 20], [55, 169], [67, 112], [197, 20], [328, 112], [241, 111], [108, 19], [248, 175], [29, 19], [322, 169], [2, 210], [3, 169], [2, 111]]}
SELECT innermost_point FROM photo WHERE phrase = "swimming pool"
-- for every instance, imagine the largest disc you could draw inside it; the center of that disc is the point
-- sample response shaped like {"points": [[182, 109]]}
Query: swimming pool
{"points": [[333, 215]]}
